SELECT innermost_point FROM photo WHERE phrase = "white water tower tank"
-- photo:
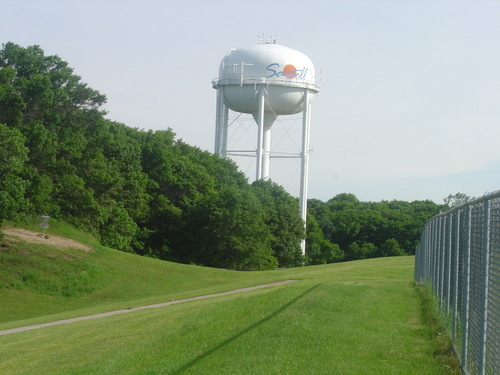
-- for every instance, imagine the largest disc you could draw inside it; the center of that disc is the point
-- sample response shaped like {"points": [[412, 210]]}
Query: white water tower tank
{"points": [[285, 71]]}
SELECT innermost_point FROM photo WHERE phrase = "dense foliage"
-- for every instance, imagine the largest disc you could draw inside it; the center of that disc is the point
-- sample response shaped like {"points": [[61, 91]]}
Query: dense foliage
{"points": [[146, 192], [368, 229]]}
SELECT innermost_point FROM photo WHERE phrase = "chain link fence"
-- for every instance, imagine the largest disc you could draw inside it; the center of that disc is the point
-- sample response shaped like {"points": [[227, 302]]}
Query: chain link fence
{"points": [[458, 258]]}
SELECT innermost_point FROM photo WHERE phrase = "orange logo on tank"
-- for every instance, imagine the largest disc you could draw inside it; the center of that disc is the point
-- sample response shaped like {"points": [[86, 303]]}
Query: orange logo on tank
{"points": [[289, 71]]}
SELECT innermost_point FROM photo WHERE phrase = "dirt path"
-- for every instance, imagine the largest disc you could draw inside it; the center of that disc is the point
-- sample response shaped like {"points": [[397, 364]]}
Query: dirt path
{"points": [[123, 311], [33, 237]]}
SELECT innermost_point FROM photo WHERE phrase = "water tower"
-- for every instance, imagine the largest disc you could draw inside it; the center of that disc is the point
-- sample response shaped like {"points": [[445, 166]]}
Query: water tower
{"points": [[266, 80]]}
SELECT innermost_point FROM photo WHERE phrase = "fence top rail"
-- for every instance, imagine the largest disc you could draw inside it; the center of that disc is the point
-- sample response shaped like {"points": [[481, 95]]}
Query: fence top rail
{"points": [[473, 201]]}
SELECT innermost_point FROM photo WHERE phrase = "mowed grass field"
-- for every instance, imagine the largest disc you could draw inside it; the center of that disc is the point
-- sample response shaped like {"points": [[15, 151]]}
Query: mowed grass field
{"points": [[363, 317]]}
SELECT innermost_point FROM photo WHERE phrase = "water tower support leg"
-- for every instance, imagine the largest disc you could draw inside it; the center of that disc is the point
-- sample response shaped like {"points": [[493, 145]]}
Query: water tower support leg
{"points": [[269, 119], [266, 152], [225, 113], [217, 123], [306, 123], [221, 120], [260, 135]]}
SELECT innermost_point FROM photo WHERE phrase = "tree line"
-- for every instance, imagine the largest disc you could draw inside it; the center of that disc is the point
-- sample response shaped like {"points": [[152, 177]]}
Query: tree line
{"points": [[149, 193]]}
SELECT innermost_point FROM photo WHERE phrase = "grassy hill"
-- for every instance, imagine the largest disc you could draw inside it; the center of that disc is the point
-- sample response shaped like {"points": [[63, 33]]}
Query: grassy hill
{"points": [[362, 317], [42, 277]]}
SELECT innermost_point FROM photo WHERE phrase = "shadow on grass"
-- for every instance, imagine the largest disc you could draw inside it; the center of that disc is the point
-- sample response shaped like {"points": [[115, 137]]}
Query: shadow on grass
{"points": [[234, 337]]}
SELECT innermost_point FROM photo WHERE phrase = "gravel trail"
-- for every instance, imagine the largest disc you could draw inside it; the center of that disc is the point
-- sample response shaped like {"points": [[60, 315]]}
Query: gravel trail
{"points": [[123, 311]]}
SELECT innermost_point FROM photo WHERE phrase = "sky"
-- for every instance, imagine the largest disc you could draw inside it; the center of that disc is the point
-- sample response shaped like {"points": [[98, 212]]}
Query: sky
{"points": [[409, 106]]}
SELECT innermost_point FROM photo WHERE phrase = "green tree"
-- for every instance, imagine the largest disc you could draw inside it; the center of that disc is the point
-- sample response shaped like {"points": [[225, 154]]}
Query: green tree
{"points": [[283, 219], [360, 250], [352, 224], [318, 249], [11, 102], [390, 248], [50, 106], [118, 229], [228, 230], [82, 167], [13, 156], [454, 200]]}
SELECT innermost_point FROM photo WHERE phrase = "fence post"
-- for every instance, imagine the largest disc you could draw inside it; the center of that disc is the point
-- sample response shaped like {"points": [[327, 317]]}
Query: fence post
{"points": [[420, 259], [441, 246], [430, 252], [466, 288], [434, 256], [447, 266], [485, 287], [456, 253]]}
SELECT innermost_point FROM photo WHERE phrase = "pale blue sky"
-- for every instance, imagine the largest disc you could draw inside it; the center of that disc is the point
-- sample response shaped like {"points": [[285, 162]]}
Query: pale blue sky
{"points": [[409, 106]]}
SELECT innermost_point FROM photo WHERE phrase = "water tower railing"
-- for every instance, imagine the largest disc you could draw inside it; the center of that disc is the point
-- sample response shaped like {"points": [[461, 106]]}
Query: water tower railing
{"points": [[240, 80], [273, 155]]}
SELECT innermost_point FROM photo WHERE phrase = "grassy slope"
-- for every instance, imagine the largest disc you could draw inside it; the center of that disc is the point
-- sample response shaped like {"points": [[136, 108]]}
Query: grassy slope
{"points": [[37, 281], [352, 318]]}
